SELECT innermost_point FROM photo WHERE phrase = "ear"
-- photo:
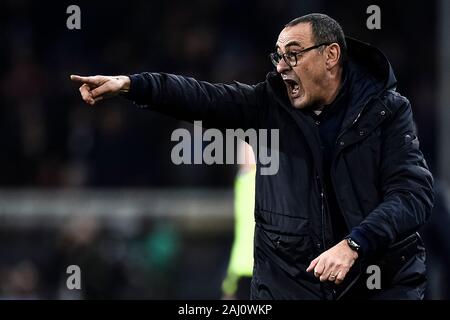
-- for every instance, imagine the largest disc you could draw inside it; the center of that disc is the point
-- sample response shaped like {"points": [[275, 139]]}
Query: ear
{"points": [[332, 54]]}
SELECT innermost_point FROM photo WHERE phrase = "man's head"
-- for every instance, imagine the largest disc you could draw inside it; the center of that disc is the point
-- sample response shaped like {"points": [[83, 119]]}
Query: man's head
{"points": [[313, 76]]}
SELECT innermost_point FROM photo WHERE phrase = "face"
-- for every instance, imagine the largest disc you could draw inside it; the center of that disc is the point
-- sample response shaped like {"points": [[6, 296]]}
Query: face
{"points": [[304, 82]]}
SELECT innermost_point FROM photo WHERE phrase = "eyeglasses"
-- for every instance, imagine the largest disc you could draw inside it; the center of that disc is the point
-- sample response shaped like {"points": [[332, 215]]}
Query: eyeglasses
{"points": [[291, 57]]}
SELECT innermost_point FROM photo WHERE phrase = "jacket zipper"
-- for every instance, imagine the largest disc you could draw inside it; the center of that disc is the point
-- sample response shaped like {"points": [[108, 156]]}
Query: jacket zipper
{"points": [[323, 218], [322, 191], [338, 138], [322, 211]]}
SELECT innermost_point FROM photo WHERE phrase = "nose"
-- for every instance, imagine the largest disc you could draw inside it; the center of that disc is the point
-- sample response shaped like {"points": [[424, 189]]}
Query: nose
{"points": [[282, 66]]}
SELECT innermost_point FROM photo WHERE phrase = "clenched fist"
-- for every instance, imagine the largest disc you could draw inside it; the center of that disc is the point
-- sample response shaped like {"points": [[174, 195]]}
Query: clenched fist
{"points": [[96, 88]]}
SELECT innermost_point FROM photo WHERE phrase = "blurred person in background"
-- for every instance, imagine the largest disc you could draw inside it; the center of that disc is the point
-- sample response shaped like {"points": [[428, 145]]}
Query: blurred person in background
{"points": [[353, 186], [82, 243], [236, 284], [21, 281]]}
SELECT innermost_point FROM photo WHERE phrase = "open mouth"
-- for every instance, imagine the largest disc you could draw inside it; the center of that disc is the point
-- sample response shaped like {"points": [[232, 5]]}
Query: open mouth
{"points": [[293, 88]]}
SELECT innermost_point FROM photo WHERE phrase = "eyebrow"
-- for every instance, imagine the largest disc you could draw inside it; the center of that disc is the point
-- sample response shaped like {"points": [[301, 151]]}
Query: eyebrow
{"points": [[290, 44]]}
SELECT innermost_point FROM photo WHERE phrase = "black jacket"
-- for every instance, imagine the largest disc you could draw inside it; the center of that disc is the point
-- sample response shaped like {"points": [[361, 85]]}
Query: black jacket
{"points": [[381, 181]]}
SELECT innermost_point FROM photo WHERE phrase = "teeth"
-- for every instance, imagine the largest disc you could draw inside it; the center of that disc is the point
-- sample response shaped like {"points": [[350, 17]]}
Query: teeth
{"points": [[293, 86]]}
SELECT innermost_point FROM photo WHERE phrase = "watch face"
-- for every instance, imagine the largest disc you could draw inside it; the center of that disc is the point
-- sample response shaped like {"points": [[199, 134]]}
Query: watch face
{"points": [[353, 244]]}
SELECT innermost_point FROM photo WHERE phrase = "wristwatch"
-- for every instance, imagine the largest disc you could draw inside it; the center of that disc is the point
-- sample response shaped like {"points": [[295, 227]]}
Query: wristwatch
{"points": [[353, 244]]}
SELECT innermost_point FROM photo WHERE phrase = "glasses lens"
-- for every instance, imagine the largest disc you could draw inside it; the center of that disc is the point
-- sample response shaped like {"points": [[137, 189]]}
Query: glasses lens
{"points": [[275, 58], [291, 59]]}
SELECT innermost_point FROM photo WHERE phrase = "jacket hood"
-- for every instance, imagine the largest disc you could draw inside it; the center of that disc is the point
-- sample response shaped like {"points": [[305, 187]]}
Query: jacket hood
{"points": [[373, 61]]}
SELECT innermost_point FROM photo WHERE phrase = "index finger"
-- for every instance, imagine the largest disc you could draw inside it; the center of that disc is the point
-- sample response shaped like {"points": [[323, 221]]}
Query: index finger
{"points": [[88, 80], [312, 265]]}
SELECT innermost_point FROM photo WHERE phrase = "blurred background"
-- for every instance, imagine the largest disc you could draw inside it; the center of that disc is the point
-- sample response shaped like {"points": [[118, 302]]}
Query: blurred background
{"points": [[96, 187]]}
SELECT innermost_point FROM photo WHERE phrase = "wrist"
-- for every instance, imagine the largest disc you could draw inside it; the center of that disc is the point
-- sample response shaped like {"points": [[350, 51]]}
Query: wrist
{"points": [[126, 83], [353, 246]]}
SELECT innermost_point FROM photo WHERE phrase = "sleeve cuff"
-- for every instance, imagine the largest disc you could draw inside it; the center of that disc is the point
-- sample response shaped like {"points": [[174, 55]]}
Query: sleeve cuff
{"points": [[368, 245], [138, 92]]}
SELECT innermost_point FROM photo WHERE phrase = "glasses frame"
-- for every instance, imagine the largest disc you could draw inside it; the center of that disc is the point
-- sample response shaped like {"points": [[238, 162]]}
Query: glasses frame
{"points": [[275, 57]]}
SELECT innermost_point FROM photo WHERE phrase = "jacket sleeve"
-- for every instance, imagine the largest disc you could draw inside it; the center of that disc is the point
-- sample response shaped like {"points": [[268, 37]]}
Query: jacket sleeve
{"points": [[406, 185], [216, 105]]}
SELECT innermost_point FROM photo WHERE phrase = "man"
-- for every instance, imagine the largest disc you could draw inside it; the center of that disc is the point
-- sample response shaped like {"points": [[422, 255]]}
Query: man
{"points": [[352, 188]]}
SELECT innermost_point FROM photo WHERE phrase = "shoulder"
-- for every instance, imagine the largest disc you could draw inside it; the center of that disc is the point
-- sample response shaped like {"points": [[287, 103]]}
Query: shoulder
{"points": [[395, 102], [400, 115]]}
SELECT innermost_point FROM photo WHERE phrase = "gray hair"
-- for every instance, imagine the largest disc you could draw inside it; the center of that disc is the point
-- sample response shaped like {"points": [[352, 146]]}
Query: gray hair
{"points": [[325, 30]]}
